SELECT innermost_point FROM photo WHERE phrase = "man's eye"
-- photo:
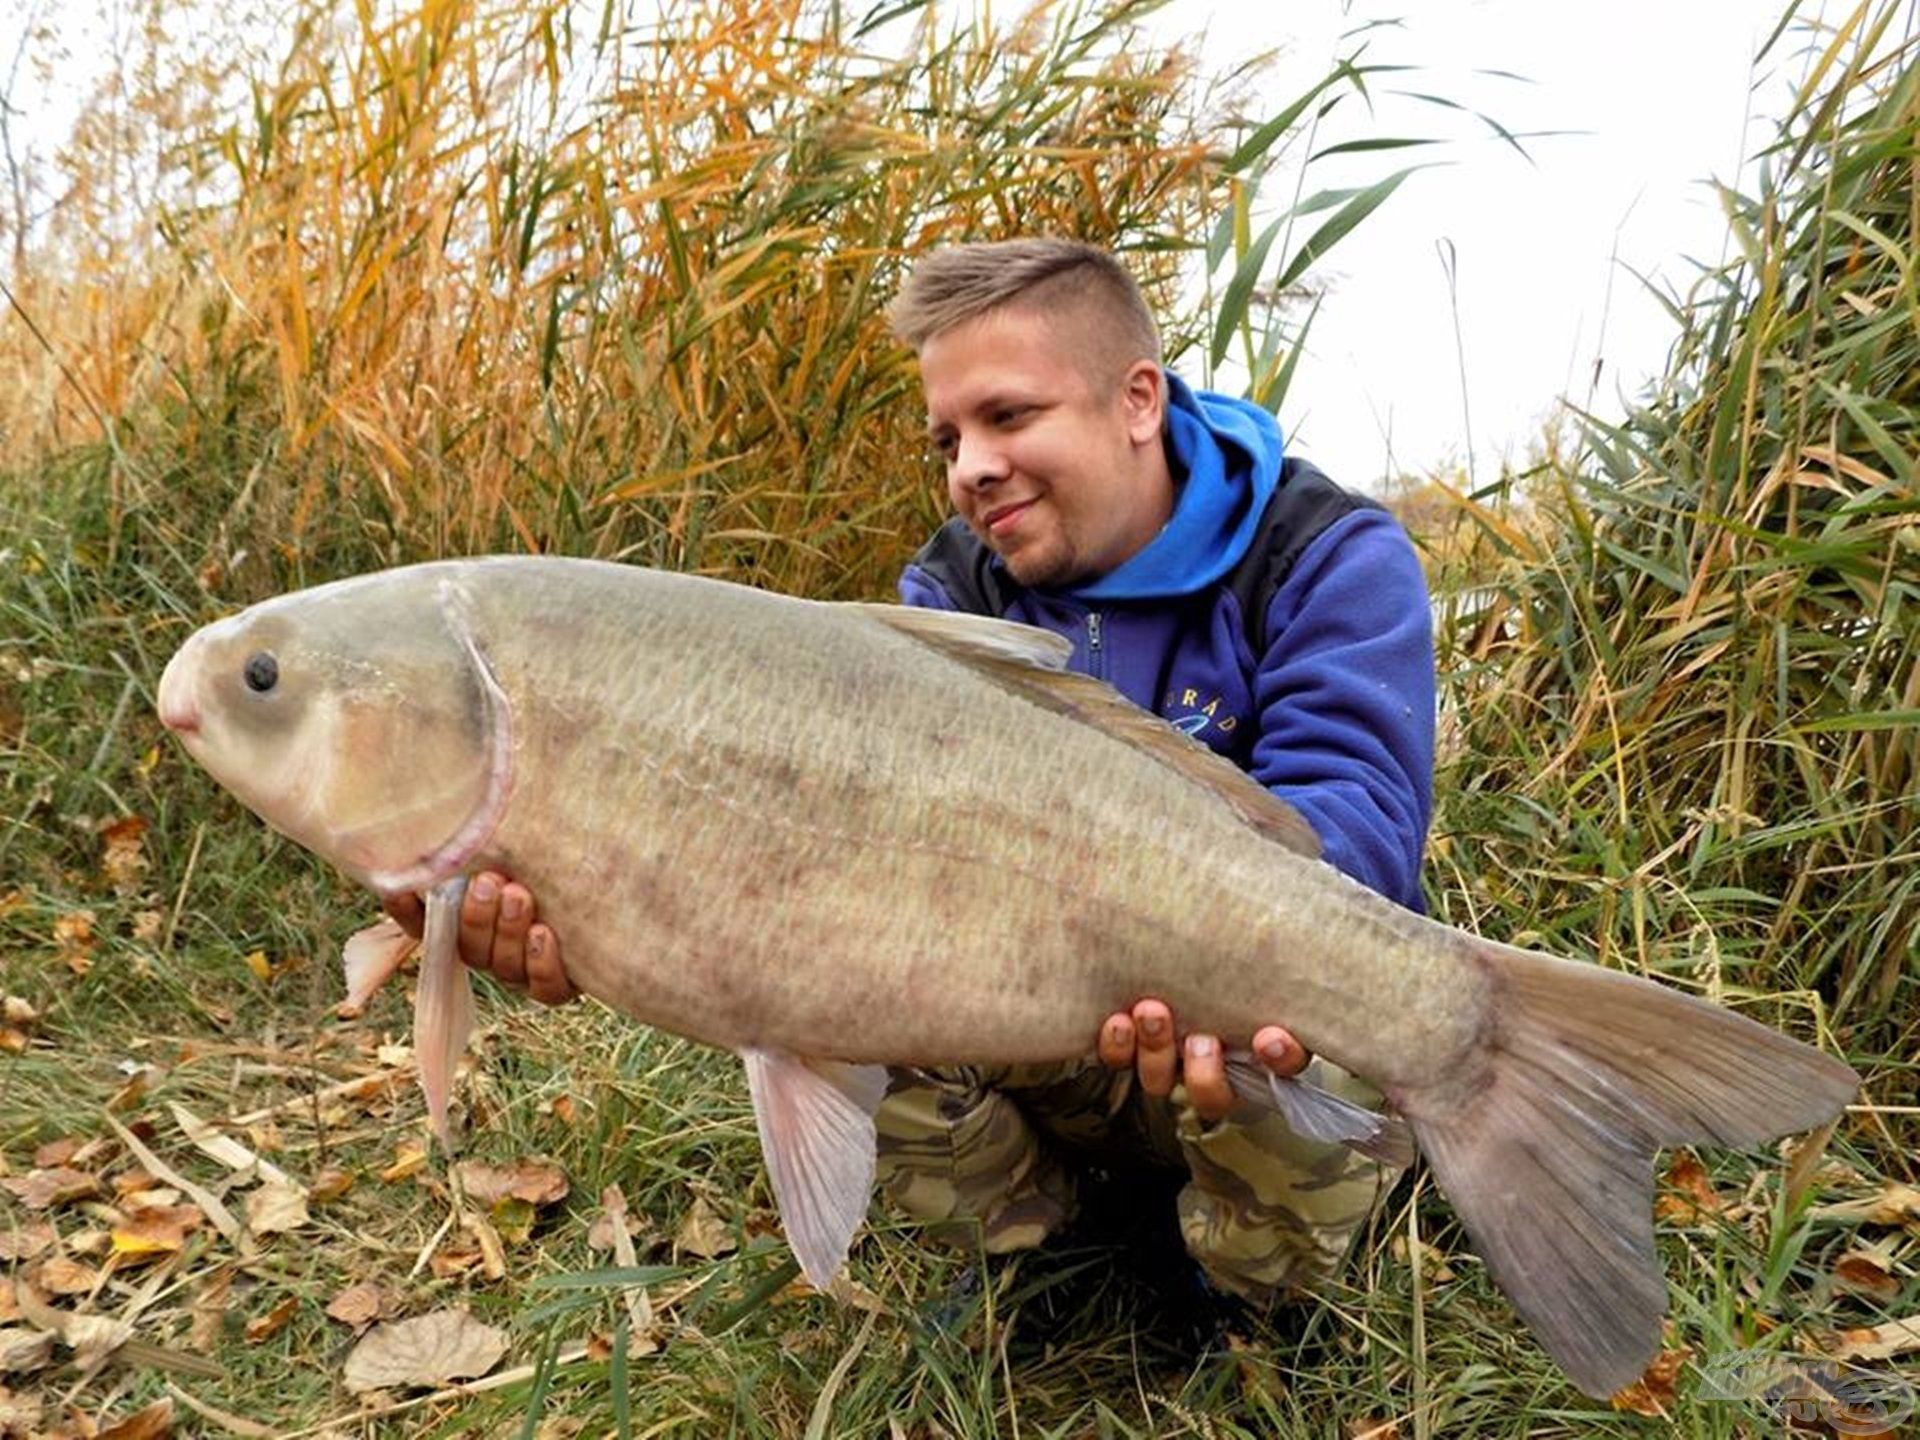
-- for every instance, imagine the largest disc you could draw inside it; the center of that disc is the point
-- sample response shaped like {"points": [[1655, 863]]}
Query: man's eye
{"points": [[943, 448], [1011, 414]]}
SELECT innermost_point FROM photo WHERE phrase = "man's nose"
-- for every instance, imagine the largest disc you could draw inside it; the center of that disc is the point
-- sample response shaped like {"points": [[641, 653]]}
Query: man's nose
{"points": [[977, 462]]}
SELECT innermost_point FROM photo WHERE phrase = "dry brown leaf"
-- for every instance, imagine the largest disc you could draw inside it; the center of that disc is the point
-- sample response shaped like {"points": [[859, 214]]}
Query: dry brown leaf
{"points": [[427, 1351], [61, 1276], [329, 1185], [1689, 1196], [22, 1351], [1877, 1342], [528, 1180], [91, 1337], [132, 1182], [161, 1197], [210, 1311], [19, 1414], [450, 1262], [23, 1242], [1652, 1393], [158, 1230], [9, 1307], [409, 1159], [703, 1233], [153, 1423], [276, 1209], [17, 1011], [1894, 1205], [493, 1255], [41, 1189], [360, 1305], [1369, 1427], [58, 1152], [265, 1327], [563, 1109], [123, 854], [73, 940], [148, 926], [1860, 1274], [14, 1042]]}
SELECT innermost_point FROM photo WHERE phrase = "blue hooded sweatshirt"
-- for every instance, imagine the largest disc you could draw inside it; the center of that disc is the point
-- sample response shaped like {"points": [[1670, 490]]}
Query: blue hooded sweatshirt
{"points": [[1336, 717]]}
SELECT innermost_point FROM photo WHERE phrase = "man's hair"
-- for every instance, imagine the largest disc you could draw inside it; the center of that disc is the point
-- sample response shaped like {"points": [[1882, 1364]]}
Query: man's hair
{"points": [[1080, 285]]}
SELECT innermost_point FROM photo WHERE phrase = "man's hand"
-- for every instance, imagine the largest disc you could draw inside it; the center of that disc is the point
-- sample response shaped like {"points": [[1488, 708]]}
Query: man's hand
{"points": [[1144, 1039], [499, 934]]}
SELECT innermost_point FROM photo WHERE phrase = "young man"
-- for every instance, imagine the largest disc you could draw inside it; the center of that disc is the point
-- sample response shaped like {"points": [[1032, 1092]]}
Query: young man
{"points": [[1235, 592]]}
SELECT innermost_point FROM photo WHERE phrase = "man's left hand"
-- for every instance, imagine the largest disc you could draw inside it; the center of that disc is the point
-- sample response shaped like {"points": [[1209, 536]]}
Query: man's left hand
{"points": [[1145, 1039]]}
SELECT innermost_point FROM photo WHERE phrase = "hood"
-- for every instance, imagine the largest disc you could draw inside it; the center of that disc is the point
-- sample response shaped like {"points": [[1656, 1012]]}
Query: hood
{"points": [[1225, 455]]}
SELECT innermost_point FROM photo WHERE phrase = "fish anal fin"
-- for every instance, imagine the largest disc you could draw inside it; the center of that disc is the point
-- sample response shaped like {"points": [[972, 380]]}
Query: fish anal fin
{"points": [[1543, 1138], [1030, 662], [816, 1130]]}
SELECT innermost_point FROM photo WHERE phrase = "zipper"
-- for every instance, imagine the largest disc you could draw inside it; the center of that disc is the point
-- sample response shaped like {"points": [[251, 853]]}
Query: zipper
{"points": [[1096, 659]]}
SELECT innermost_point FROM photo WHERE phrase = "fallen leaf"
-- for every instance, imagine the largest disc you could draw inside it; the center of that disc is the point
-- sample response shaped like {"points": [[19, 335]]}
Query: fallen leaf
{"points": [[90, 1337], [58, 1152], [41, 1189], [600, 1233], [123, 856], [160, 1230], [493, 1255], [1894, 1205], [147, 926], [1652, 1393], [562, 1109], [409, 1159], [26, 1241], [19, 1414], [1695, 1198], [9, 1307], [1370, 1427], [14, 1042], [265, 1327], [360, 1305], [329, 1185], [23, 1351], [276, 1209], [153, 1423], [703, 1233], [73, 940], [1878, 1342], [61, 1276], [427, 1351], [258, 963], [210, 1311], [527, 1180], [450, 1262], [132, 1182], [1864, 1275]]}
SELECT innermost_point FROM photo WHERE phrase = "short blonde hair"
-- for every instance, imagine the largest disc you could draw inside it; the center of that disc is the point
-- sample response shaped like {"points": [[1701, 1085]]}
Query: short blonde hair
{"points": [[1077, 283]]}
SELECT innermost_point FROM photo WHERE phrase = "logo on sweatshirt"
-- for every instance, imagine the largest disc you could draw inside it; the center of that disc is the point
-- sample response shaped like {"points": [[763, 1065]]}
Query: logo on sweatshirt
{"points": [[1200, 716]]}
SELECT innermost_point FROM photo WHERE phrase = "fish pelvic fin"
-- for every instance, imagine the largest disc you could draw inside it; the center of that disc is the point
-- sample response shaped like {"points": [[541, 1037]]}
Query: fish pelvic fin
{"points": [[369, 959], [1544, 1139], [1316, 1113], [816, 1131], [442, 1006]]}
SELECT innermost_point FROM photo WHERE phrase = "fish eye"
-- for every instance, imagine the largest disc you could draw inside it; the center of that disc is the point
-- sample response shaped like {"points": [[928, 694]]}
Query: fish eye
{"points": [[262, 672]]}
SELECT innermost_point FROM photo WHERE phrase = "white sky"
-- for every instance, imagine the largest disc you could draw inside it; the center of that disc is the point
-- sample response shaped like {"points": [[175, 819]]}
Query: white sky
{"points": [[1660, 90]]}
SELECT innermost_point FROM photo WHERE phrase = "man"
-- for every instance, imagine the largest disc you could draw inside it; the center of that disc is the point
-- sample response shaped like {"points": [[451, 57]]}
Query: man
{"points": [[1097, 496]]}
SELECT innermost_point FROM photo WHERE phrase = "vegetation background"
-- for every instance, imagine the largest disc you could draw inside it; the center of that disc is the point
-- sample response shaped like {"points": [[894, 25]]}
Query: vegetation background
{"points": [[351, 286]]}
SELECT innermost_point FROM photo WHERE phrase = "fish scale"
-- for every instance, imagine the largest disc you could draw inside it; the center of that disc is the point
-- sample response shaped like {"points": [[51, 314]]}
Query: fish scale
{"points": [[831, 837]]}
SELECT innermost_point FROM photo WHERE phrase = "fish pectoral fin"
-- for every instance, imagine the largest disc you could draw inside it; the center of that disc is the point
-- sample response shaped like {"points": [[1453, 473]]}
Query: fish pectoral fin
{"points": [[816, 1130], [369, 958], [1316, 1113], [442, 1005]]}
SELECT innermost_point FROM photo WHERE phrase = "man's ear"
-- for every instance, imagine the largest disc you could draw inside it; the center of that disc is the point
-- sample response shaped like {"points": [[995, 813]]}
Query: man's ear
{"points": [[1143, 401]]}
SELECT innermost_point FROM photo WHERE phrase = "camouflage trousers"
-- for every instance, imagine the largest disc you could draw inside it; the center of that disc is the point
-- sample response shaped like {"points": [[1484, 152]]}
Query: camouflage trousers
{"points": [[1002, 1149]]}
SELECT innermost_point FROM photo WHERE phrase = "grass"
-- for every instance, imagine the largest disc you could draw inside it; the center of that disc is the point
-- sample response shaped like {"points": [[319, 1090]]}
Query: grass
{"points": [[1679, 666]]}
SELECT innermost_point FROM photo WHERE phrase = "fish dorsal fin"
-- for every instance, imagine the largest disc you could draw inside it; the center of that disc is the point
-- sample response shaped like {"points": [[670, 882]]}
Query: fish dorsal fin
{"points": [[974, 637], [1031, 662]]}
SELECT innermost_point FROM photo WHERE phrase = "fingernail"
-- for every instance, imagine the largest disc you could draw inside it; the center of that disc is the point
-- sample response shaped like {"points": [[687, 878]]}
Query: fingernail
{"points": [[1115, 1030], [1153, 1027], [512, 905], [1200, 1046], [537, 943], [1274, 1050], [483, 889]]}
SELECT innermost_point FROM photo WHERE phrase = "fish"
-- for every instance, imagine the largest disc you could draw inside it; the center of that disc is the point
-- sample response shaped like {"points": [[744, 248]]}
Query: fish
{"points": [[838, 837]]}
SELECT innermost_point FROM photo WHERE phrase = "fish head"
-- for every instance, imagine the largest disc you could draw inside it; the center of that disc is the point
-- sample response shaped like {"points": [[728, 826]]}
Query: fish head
{"points": [[361, 720]]}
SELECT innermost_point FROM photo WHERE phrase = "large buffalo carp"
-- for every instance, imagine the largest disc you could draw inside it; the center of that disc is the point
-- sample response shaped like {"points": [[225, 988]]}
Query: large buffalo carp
{"points": [[835, 837]]}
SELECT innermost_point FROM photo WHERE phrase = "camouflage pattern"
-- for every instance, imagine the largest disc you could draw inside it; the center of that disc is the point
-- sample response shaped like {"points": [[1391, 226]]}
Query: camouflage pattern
{"points": [[993, 1153]]}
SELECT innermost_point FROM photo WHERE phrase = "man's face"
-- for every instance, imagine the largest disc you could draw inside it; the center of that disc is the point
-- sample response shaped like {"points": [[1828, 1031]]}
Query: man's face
{"points": [[1061, 477]]}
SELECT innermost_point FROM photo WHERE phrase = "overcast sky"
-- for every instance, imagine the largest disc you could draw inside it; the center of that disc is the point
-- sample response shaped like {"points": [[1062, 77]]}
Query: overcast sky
{"points": [[1664, 94]]}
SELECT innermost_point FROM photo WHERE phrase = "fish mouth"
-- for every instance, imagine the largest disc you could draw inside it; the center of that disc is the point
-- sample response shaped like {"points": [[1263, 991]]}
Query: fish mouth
{"points": [[178, 708]]}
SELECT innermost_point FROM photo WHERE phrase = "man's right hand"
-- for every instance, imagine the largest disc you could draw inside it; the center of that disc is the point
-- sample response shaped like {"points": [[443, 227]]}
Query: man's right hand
{"points": [[499, 933]]}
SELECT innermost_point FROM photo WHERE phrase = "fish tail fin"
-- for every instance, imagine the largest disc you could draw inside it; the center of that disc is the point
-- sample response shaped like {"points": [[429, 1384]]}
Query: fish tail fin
{"points": [[1544, 1140]]}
